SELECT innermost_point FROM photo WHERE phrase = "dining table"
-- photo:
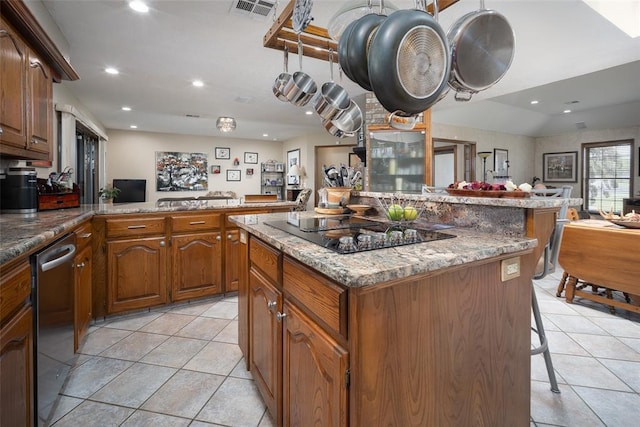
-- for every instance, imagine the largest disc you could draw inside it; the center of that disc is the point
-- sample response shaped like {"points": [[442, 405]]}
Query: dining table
{"points": [[599, 254]]}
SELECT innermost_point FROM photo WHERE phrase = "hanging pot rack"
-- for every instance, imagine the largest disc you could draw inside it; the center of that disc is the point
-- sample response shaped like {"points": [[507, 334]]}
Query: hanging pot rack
{"points": [[315, 40]]}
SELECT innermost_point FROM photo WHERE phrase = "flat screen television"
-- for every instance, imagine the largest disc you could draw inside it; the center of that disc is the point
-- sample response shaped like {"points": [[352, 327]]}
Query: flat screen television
{"points": [[131, 190]]}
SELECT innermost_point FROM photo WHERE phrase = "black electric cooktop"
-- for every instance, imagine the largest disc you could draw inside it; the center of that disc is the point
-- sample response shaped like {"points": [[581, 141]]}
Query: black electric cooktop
{"points": [[347, 234]]}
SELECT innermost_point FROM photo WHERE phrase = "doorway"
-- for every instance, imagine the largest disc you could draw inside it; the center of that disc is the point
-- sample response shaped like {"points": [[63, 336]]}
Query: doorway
{"points": [[453, 160], [87, 160]]}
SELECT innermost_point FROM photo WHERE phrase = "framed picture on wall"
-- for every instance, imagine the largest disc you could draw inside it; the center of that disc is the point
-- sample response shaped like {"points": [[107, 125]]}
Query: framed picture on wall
{"points": [[560, 167], [233, 174], [223, 153], [251, 158], [293, 158], [500, 162]]}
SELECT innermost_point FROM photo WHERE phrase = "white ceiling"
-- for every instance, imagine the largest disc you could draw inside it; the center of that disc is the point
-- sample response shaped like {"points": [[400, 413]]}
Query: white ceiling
{"points": [[564, 52]]}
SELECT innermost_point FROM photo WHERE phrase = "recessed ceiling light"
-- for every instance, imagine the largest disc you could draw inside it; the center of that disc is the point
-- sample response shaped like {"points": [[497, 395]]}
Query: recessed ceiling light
{"points": [[308, 113], [534, 102], [265, 135], [126, 108], [197, 83], [133, 127], [139, 6], [566, 111], [111, 70]]}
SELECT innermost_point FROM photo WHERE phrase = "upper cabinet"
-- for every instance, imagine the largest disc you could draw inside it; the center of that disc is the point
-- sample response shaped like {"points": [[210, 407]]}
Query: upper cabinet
{"points": [[13, 86], [29, 64]]}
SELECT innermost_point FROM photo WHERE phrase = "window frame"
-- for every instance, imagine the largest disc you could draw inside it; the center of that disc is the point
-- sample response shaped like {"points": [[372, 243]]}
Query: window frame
{"points": [[585, 149]]}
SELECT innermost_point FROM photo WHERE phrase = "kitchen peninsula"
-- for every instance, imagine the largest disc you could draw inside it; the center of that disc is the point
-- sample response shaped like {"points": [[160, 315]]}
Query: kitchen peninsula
{"points": [[431, 334]]}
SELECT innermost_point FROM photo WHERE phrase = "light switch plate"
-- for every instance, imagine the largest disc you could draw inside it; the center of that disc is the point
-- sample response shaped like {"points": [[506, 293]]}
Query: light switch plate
{"points": [[510, 268]]}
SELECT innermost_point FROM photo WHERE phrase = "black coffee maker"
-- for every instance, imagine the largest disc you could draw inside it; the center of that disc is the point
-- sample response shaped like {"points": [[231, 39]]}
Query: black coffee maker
{"points": [[19, 191]]}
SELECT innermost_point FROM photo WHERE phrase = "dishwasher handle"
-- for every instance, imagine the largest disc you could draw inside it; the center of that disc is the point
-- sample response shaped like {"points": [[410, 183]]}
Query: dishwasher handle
{"points": [[47, 261]]}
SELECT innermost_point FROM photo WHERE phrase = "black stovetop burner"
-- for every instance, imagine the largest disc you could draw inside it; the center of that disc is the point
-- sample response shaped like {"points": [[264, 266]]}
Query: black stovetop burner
{"points": [[347, 234]]}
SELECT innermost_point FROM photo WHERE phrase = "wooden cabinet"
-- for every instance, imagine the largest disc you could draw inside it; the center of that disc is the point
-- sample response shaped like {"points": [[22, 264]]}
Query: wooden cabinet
{"points": [[13, 86], [232, 265], [300, 368], [196, 256], [26, 105], [16, 346], [196, 265], [315, 373], [83, 266], [40, 107], [137, 275]]}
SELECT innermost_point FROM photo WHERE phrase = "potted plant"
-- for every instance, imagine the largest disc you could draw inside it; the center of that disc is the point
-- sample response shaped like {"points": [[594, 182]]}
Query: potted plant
{"points": [[108, 193]]}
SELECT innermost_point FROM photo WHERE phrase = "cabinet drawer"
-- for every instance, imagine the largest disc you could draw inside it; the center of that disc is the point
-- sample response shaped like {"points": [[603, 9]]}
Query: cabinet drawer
{"points": [[323, 298], [194, 222], [83, 235], [134, 227], [15, 287], [266, 258]]}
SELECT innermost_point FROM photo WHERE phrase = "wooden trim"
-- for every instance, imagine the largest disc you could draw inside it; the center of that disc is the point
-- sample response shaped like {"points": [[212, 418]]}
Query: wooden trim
{"points": [[315, 40], [19, 15]]}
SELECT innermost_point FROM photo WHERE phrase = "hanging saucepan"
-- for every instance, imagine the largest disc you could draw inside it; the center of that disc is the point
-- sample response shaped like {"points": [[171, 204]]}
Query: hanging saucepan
{"points": [[332, 98], [343, 47], [282, 79], [482, 47], [345, 124], [301, 87], [359, 42], [409, 62]]}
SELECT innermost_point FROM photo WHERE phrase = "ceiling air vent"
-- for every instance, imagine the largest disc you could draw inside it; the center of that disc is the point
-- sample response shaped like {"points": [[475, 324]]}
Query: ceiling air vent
{"points": [[255, 9]]}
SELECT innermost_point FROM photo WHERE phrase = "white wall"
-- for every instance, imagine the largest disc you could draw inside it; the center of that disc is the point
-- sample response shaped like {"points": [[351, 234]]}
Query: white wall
{"points": [[132, 155], [521, 149], [573, 141]]}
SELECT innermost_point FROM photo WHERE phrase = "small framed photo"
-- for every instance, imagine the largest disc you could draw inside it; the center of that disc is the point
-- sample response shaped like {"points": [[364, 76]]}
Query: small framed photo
{"points": [[251, 158], [233, 174], [223, 153], [279, 167], [249, 171], [215, 169], [560, 167]]}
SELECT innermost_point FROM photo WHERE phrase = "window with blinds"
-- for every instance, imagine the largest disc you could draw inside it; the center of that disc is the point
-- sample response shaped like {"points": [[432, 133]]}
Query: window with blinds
{"points": [[607, 175]]}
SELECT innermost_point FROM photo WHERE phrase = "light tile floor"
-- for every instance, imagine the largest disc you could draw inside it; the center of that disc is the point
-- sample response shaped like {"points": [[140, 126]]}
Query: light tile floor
{"points": [[181, 366]]}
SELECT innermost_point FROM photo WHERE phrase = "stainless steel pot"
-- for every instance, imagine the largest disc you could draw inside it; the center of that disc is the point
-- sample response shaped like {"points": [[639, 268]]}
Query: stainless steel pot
{"points": [[345, 124], [482, 48], [332, 98], [301, 88], [409, 62], [282, 79]]}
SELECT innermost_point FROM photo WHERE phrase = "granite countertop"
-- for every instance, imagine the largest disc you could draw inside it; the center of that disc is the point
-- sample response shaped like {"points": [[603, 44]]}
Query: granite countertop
{"points": [[377, 266], [21, 233]]}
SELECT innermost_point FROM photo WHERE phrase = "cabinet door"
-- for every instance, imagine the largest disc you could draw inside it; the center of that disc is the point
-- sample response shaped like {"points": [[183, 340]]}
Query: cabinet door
{"points": [[40, 106], [82, 289], [137, 274], [232, 260], [266, 341], [196, 263], [314, 374], [13, 87], [16, 370]]}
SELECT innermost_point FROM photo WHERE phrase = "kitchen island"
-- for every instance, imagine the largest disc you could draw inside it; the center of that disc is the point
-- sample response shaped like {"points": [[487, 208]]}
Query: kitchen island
{"points": [[431, 334]]}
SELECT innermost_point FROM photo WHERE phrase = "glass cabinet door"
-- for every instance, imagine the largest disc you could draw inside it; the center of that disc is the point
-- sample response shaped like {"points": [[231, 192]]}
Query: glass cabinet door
{"points": [[397, 161]]}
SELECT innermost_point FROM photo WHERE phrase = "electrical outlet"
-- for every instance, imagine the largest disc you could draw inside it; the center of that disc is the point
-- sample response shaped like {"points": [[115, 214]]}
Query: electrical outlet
{"points": [[510, 268]]}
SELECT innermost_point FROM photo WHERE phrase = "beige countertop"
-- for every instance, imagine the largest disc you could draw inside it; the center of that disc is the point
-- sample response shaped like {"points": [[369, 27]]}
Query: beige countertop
{"points": [[21, 233]]}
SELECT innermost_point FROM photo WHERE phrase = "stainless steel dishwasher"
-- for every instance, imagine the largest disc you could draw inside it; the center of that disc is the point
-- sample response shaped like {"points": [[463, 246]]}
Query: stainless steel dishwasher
{"points": [[53, 300]]}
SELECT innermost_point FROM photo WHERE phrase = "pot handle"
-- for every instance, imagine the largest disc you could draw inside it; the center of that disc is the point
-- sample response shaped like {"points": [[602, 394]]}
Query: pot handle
{"points": [[465, 98]]}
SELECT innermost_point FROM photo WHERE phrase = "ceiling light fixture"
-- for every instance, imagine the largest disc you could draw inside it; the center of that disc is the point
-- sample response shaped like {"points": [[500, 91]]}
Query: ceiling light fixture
{"points": [[126, 108], [197, 83], [534, 102], [566, 111], [226, 124], [133, 127], [111, 70], [353, 10], [139, 6]]}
